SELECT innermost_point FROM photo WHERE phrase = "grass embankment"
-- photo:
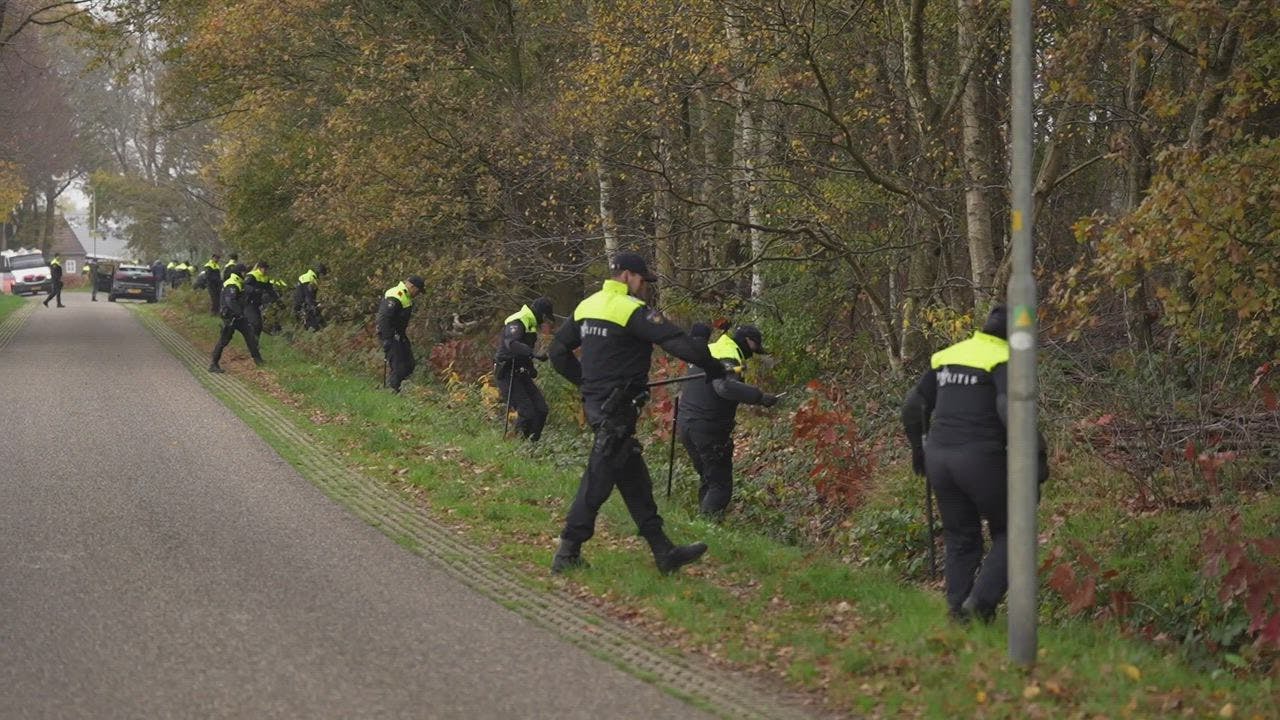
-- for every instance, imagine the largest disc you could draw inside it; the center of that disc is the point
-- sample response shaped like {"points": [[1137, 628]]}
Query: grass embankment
{"points": [[9, 303], [866, 641]]}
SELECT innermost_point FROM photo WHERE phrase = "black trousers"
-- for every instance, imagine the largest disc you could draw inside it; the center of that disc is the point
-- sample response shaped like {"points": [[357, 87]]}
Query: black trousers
{"points": [[215, 297], [253, 315], [306, 307], [615, 460], [711, 451], [55, 292], [229, 328], [523, 395], [971, 485], [400, 361]]}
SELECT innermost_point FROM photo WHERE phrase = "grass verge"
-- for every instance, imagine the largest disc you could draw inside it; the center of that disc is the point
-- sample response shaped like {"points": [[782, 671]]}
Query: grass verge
{"points": [[9, 303], [861, 638]]}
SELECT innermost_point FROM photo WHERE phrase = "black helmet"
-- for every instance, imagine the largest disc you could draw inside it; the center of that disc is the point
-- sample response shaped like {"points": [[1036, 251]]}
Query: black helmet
{"points": [[700, 331], [321, 269], [997, 321], [542, 309]]}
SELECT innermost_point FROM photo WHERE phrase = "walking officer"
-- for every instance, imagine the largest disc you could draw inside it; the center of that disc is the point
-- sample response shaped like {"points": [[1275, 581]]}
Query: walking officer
{"points": [[393, 329], [213, 281], [960, 405], [259, 291], [55, 284], [230, 267], [513, 370], [617, 333], [232, 308], [306, 304], [708, 413]]}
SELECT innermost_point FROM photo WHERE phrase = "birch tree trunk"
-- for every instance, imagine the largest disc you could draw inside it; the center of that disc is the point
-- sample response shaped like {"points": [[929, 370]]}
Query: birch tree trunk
{"points": [[665, 244], [977, 158], [608, 224]]}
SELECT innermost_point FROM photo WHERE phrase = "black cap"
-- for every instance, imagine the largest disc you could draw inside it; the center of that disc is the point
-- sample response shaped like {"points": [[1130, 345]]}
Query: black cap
{"points": [[749, 332], [701, 331], [542, 309], [216, 256], [321, 269], [239, 268], [633, 262], [997, 321], [417, 281]]}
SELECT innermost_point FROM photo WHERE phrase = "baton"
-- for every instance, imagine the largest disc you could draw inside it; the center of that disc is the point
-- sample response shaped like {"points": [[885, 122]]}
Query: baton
{"points": [[672, 381], [928, 503], [671, 454], [511, 381]]}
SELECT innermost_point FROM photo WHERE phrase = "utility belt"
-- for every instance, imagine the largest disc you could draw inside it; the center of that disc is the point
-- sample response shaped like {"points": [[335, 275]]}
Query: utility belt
{"points": [[615, 433], [503, 370]]}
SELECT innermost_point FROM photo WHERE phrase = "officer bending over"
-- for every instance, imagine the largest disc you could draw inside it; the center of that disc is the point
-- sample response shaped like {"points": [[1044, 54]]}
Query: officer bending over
{"points": [[616, 333], [232, 307], [960, 404], [708, 413], [513, 370], [393, 329], [306, 303], [259, 292]]}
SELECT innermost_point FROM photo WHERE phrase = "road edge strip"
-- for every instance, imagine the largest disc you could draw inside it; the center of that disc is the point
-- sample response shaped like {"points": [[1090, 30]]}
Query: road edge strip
{"points": [[720, 692]]}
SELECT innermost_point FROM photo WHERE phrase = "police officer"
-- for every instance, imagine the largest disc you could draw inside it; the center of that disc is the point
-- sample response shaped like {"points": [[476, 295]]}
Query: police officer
{"points": [[259, 291], [212, 275], [393, 329], [616, 333], [513, 370], [230, 266], [708, 414], [232, 307], [960, 404], [157, 277], [55, 283], [306, 304]]}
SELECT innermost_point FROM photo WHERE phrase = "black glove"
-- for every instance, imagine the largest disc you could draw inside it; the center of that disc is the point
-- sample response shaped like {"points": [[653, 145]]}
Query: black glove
{"points": [[532, 372], [917, 459], [540, 357], [386, 347], [768, 400]]}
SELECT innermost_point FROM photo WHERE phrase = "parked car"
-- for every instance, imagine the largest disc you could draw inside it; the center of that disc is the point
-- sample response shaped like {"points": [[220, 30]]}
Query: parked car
{"points": [[133, 281], [31, 274]]}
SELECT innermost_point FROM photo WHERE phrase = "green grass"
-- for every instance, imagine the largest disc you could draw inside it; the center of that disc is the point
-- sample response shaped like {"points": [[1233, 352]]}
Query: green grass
{"points": [[864, 639], [9, 303]]}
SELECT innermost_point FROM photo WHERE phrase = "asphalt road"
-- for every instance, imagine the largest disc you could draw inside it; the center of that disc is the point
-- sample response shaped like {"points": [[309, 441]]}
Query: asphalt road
{"points": [[158, 560]]}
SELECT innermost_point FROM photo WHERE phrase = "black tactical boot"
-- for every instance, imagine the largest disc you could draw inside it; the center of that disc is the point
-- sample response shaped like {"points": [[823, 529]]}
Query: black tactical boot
{"points": [[215, 368], [971, 609], [568, 557], [670, 558]]}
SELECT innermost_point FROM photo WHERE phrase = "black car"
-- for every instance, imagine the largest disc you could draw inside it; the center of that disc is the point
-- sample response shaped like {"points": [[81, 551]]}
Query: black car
{"points": [[133, 281]]}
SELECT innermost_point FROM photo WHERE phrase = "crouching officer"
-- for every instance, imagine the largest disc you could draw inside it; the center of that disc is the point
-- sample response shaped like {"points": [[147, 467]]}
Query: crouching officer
{"points": [[259, 292], [513, 370], [708, 413], [232, 307], [960, 404], [306, 303], [393, 329], [616, 333]]}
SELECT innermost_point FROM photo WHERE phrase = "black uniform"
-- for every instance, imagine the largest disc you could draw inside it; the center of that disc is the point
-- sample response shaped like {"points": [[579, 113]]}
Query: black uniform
{"points": [[705, 422], [259, 292], [393, 331], [617, 333], [232, 305], [55, 284], [306, 303], [212, 278], [514, 373], [157, 277], [960, 402]]}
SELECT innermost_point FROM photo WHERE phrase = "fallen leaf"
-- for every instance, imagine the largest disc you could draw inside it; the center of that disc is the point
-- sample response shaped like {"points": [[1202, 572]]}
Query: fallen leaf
{"points": [[1227, 711], [1132, 672], [981, 697], [1031, 692]]}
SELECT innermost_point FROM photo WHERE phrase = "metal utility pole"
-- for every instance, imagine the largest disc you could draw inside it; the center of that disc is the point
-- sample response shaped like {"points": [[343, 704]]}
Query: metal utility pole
{"points": [[1022, 356]]}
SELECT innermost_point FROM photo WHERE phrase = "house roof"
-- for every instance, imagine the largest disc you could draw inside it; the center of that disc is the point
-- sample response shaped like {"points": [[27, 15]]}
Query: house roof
{"points": [[109, 246], [64, 239]]}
